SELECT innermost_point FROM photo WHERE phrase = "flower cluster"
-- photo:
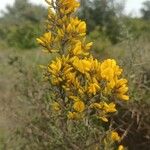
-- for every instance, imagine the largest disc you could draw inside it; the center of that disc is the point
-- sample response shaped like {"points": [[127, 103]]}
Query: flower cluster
{"points": [[112, 138], [83, 85]]}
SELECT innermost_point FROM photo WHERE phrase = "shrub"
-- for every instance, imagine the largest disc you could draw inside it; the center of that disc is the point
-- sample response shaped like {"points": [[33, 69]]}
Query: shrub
{"points": [[85, 92], [138, 28], [20, 24], [100, 39], [82, 94], [104, 14]]}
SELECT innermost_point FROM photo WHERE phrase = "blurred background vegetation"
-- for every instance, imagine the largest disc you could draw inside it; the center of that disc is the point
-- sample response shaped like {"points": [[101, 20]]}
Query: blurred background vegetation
{"points": [[20, 24], [24, 97]]}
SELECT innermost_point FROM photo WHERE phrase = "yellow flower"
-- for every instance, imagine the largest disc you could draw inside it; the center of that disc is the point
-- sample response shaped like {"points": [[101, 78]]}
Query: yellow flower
{"points": [[109, 108], [60, 33], [108, 63], [82, 27], [103, 119], [55, 66], [110, 86], [115, 136], [73, 115], [69, 28], [121, 93], [75, 98], [78, 49], [107, 73], [71, 77], [76, 28], [55, 106], [96, 105], [121, 82], [76, 73], [83, 65], [93, 88], [121, 147], [123, 89], [55, 80], [89, 45], [79, 106], [109, 69], [67, 69], [68, 6], [123, 97], [104, 109], [45, 40]]}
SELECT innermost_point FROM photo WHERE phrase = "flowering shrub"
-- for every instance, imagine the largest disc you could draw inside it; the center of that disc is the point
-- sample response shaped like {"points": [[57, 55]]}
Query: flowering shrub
{"points": [[84, 89]]}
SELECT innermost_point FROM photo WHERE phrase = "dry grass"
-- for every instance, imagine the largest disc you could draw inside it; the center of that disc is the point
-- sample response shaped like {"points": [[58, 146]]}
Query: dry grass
{"points": [[20, 87], [13, 104]]}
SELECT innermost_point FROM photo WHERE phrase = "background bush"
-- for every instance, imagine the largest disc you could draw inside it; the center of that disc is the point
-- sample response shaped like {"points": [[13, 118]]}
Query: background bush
{"points": [[18, 27]]}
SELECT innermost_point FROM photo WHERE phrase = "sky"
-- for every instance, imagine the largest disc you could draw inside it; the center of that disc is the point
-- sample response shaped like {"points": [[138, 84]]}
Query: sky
{"points": [[132, 6]]}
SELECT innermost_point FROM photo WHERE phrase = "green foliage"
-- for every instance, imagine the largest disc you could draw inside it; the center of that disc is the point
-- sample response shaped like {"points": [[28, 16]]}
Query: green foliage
{"points": [[138, 27], [104, 14], [146, 10], [100, 39], [22, 36], [20, 24]]}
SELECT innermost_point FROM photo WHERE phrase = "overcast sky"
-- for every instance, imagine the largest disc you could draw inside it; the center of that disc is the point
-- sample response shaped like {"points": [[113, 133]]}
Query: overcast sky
{"points": [[132, 6]]}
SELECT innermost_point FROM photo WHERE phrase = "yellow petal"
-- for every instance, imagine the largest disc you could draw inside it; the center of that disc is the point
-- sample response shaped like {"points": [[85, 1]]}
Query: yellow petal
{"points": [[104, 119], [115, 136], [121, 147], [79, 106]]}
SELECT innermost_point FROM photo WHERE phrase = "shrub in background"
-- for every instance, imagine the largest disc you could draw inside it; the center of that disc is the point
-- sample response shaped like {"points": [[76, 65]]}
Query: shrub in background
{"points": [[138, 28], [106, 14], [100, 39], [84, 93], [146, 10], [20, 24]]}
